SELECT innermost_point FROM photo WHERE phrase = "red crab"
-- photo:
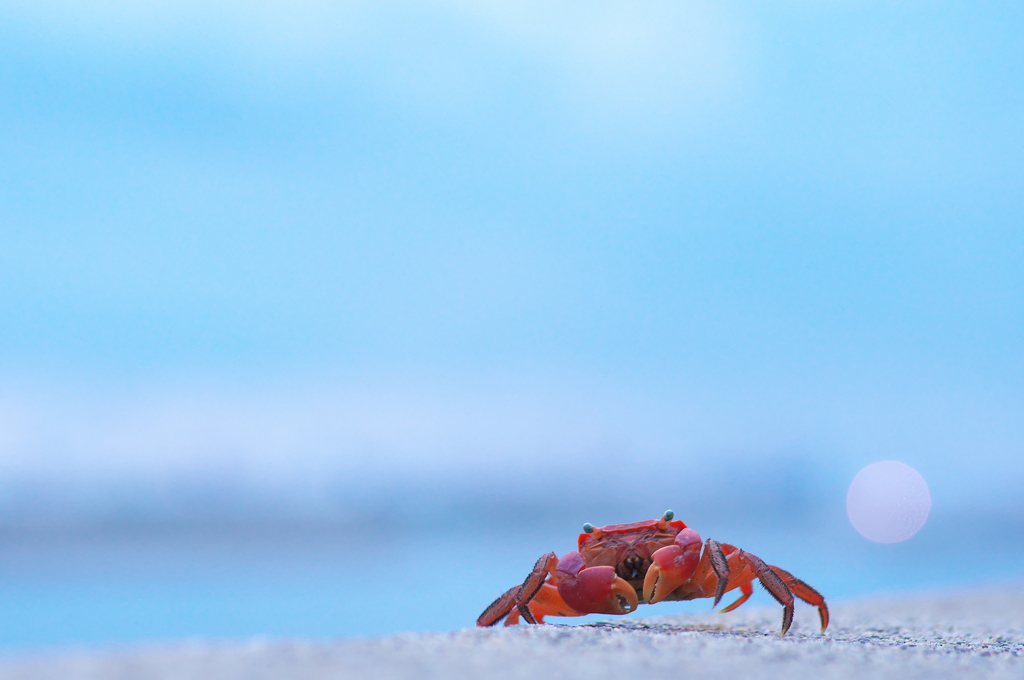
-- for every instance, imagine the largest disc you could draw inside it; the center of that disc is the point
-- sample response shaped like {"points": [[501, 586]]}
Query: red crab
{"points": [[621, 565]]}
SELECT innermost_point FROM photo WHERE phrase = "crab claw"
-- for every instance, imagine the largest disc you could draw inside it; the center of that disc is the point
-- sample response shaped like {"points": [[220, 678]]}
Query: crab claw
{"points": [[671, 566], [593, 590]]}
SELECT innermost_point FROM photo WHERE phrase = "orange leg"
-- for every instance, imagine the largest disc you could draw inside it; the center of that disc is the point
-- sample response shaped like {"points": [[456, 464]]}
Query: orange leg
{"points": [[728, 570], [536, 598], [747, 589], [805, 593], [775, 586], [548, 602], [740, 569], [519, 597], [710, 573], [500, 608]]}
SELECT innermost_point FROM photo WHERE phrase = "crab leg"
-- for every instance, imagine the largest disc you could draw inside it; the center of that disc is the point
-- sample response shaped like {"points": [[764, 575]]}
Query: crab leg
{"points": [[498, 609], [547, 602], [720, 565], [805, 593], [736, 572], [746, 569], [720, 570], [742, 568], [519, 597], [747, 591], [776, 587], [532, 584]]}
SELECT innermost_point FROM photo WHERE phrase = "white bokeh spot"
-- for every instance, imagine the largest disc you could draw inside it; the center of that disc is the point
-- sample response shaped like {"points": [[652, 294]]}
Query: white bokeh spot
{"points": [[888, 501]]}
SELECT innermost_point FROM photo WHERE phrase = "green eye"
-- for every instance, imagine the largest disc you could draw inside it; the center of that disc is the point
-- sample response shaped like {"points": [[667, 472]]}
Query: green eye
{"points": [[588, 528], [668, 515]]}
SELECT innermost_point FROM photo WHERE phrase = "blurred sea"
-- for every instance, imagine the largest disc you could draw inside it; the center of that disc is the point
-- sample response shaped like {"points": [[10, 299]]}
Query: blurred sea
{"points": [[421, 566], [135, 517]]}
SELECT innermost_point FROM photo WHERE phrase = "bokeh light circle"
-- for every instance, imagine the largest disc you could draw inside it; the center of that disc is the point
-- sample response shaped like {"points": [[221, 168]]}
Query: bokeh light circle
{"points": [[888, 501]]}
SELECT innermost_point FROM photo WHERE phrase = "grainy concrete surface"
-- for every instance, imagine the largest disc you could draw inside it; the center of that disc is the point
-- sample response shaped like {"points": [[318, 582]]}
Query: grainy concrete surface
{"points": [[966, 635]]}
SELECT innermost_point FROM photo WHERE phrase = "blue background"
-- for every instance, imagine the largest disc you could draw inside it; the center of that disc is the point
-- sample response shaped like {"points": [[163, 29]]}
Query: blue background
{"points": [[327, 319]]}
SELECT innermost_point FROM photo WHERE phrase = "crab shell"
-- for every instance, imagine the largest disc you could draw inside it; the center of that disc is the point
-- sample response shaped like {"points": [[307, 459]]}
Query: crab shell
{"points": [[628, 548]]}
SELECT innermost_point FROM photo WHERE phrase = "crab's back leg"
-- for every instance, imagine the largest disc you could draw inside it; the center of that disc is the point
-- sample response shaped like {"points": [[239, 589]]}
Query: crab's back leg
{"points": [[519, 597], [775, 586], [724, 567], [791, 583], [805, 593], [747, 589], [744, 567]]}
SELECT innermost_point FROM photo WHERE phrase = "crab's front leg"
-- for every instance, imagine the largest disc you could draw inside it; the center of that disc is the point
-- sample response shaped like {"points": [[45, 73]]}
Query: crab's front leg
{"points": [[672, 566], [536, 598], [519, 597], [593, 590]]}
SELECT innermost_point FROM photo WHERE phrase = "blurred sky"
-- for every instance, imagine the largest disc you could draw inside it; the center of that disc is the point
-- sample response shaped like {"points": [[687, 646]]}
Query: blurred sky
{"points": [[309, 250]]}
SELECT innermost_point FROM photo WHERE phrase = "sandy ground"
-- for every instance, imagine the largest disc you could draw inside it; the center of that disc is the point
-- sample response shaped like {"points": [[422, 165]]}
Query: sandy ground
{"points": [[965, 635]]}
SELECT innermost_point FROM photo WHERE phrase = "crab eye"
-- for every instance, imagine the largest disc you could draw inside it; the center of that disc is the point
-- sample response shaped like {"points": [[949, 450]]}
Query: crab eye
{"points": [[668, 515], [588, 528]]}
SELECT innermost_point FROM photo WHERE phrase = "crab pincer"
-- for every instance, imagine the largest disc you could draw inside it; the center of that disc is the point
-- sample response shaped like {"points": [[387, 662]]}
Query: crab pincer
{"points": [[672, 566], [593, 589]]}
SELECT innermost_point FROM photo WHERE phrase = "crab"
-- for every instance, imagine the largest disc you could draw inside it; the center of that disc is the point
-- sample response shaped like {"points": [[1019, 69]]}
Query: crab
{"points": [[619, 566]]}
